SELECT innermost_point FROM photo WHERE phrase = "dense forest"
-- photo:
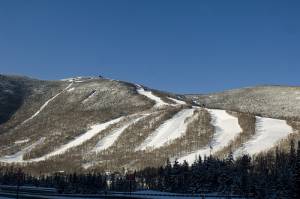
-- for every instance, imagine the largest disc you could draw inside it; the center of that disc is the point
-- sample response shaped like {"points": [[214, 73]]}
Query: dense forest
{"points": [[271, 175]]}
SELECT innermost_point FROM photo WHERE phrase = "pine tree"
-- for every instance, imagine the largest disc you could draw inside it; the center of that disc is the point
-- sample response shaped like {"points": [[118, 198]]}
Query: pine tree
{"points": [[297, 174]]}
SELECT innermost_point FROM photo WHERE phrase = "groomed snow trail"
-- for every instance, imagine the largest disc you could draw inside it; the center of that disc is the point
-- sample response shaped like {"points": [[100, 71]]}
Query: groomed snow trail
{"points": [[168, 131], [46, 103], [268, 132], [18, 157], [95, 129], [226, 128], [110, 139], [158, 102], [179, 102]]}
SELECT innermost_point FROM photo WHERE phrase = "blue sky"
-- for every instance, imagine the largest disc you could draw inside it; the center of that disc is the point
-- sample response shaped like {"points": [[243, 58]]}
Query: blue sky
{"points": [[180, 46]]}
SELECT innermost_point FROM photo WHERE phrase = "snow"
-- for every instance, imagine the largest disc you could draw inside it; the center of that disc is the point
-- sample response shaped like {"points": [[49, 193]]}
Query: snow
{"points": [[180, 102], [158, 102], [21, 141], [71, 89], [268, 132], [110, 139], [18, 157], [226, 128], [46, 103], [168, 131], [95, 129], [93, 93]]}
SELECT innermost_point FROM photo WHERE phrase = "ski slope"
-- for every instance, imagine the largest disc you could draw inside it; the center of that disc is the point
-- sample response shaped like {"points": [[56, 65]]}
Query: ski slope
{"points": [[110, 139], [46, 103], [158, 102], [178, 102], [226, 128], [18, 157], [268, 132], [168, 131]]}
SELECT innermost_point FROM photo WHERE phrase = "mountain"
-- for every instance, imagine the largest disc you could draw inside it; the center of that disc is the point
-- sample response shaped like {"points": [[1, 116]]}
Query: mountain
{"points": [[99, 124]]}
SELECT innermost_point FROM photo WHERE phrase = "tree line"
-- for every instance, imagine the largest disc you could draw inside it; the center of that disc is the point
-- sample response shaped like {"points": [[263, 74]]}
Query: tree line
{"points": [[271, 175]]}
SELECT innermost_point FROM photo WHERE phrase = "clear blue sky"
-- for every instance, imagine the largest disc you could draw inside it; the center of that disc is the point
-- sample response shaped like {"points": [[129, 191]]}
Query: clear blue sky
{"points": [[181, 46]]}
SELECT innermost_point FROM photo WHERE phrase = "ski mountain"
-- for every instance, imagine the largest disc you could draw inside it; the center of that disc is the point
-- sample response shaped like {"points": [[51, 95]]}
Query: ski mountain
{"points": [[98, 124]]}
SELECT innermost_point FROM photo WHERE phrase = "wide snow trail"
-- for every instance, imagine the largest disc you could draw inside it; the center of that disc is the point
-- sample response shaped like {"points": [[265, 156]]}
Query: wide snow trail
{"points": [[111, 138], [95, 129], [168, 131], [46, 103], [18, 157], [158, 102], [268, 132], [226, 128]]}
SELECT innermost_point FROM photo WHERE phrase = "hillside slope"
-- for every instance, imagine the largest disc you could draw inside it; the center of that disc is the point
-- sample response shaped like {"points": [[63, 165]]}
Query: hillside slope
{"points": [[93, 123]]}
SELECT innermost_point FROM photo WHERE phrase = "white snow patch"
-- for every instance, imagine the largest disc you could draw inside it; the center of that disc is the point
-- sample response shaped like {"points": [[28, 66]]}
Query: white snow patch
{"points": [[22, 141], [18, 157], [168, 131], [268, 132], [226, 129], [110, 139], [158, 102], [180, 102], [46, 103], [71, 89]]}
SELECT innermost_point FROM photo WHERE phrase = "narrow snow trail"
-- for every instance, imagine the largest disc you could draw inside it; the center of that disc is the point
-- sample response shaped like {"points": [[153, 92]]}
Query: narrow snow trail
{"points": [[268, 132], [168, 131], [110, 139], [179, 102], [18, 157], [226, 129], [95, 129], [46, 103], [158, 102]]}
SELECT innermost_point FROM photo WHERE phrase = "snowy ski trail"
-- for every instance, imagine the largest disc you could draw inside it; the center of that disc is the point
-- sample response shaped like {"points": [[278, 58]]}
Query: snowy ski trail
{"points": [[226, 128], [158, 102], [46, 103], [168, 131], [268, 132]]}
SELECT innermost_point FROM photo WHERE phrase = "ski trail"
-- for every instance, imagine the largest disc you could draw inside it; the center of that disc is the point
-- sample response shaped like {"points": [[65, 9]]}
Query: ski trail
{"points": [[268, 132], [18, 157], [158, 102], [110, 139], [179, 102], [168, 131], [95, 129], [46, 103], [226, 129]]}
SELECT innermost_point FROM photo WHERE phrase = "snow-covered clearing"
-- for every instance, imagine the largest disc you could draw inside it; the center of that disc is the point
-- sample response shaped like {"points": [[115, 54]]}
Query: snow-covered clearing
{"points": [[158, 102], [226, 129], [268, 132], [180, 102], [18, 157], [168, 131], [110, 139], [46, 103]]}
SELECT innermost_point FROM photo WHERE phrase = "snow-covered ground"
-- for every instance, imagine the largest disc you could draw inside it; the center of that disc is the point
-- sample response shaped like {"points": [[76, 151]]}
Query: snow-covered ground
{"points": [[21, 141], [158, 102], [179, 102], [18, 157], [110, 139], [226, 128], [46, 103], [168, 131], [268, 132]]}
